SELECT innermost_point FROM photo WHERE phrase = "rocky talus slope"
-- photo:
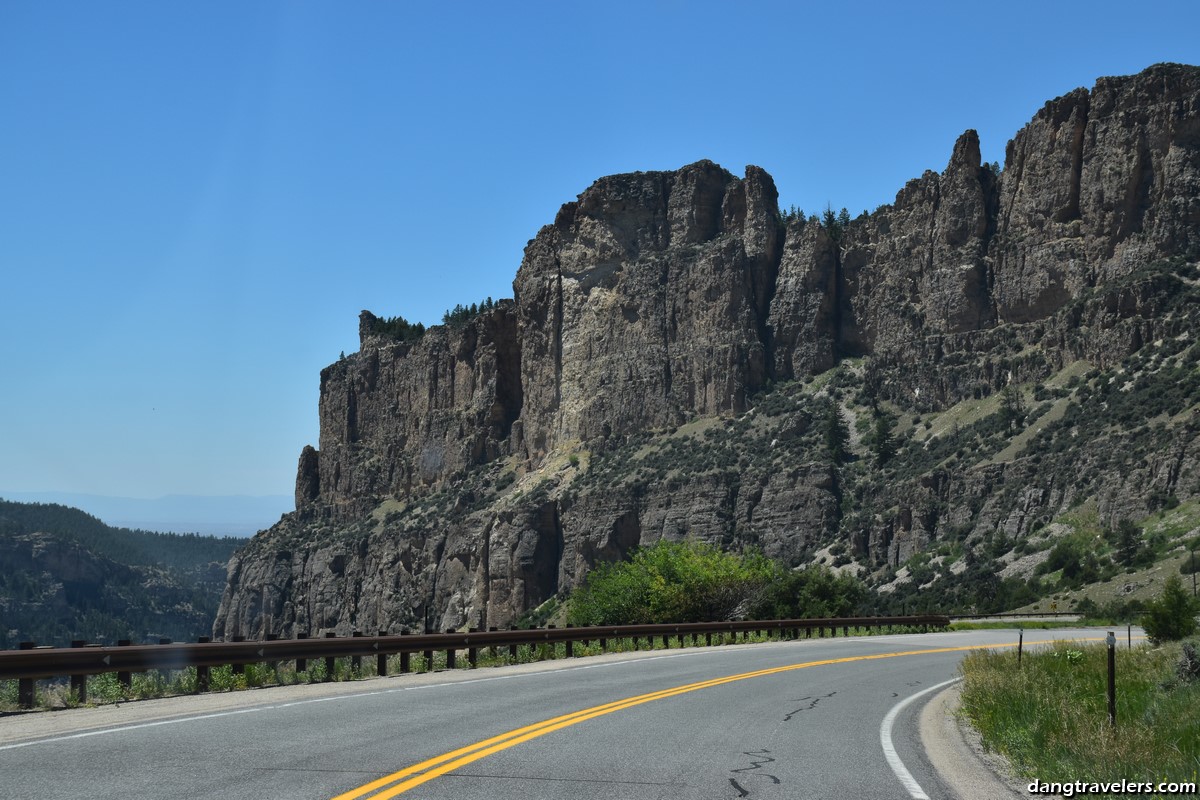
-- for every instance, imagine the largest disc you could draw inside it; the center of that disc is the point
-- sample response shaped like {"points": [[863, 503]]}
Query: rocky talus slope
{"points": [[1002, 347]]}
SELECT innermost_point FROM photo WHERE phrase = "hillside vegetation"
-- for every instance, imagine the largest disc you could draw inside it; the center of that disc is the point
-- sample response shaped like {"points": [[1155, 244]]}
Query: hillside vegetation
{"points": [[69, 576]]}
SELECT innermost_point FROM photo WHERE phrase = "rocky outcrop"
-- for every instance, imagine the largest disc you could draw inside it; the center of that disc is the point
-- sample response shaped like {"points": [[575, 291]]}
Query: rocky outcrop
{"points": [[644, 304], [453, 479], [399, 415], [1098, 184]]}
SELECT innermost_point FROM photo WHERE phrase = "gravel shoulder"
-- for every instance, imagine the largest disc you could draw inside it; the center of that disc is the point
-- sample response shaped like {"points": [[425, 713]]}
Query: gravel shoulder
{"points": [[956, 752]]}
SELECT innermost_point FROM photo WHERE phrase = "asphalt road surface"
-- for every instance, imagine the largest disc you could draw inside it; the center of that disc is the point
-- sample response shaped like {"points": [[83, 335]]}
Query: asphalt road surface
{"points": [[779, 720]]}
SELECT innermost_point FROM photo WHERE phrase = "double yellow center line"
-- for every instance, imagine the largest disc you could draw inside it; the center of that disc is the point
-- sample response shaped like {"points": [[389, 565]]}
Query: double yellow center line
{"points": [[410, 777]]}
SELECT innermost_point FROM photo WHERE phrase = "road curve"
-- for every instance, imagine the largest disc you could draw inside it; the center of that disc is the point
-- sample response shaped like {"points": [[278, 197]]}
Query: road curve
{"points": [[783, 719]]}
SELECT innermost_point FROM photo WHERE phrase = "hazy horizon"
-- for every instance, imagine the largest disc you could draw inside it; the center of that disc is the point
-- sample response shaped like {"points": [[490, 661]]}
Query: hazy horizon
{"points": [[214, 515]]}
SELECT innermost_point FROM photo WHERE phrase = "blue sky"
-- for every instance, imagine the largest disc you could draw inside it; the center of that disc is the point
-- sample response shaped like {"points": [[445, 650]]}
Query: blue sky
{"points": [[197, 199]]}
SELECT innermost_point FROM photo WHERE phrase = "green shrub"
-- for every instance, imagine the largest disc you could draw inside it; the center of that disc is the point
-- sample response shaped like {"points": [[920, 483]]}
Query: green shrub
{"points": [[1172, 615], [811, 592], [670, 582]]}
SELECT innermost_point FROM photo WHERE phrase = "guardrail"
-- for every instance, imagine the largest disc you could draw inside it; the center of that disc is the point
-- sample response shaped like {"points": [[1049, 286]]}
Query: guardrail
{"points": [[1011, 615], [30, 663]]}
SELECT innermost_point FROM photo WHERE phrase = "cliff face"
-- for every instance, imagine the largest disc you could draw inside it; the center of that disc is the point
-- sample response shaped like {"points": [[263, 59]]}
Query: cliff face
{"points": [[461, 477], [400, 415], [645, 303]]}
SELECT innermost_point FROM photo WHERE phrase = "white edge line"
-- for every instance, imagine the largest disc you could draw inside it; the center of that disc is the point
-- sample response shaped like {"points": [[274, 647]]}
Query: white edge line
{"points": [[139, 726], [353, 696], [889, 749]]}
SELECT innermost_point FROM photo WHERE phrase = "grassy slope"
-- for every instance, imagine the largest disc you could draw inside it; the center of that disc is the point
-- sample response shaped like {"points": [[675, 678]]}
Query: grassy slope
{"points": [[1049, 716]]}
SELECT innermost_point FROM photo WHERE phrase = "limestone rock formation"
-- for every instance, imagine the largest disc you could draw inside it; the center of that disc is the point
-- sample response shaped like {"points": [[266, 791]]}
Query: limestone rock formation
{"points": [[630, 390]]}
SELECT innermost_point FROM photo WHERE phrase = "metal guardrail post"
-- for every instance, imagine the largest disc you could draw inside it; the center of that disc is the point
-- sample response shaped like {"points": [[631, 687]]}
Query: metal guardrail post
{"points": [[1111, 641]]}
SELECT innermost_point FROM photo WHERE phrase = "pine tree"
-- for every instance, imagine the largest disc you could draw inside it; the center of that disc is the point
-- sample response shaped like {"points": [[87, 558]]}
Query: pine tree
{"points": [[837, 438], [883, 444], [1172, 615]]}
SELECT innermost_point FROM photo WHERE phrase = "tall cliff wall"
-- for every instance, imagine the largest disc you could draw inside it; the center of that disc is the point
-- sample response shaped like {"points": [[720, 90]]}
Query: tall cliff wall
{"points": [[459, 476]]}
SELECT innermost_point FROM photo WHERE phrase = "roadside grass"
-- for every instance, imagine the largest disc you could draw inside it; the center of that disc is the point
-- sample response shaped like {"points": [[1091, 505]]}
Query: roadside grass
{"points": [[1031, 624], [105, 689], [1049, 716]]}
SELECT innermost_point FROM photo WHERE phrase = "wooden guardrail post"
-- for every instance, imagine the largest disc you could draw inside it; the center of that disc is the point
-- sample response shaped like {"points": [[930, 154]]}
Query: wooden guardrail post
{"points": [[202, 673], [570, 644], [25, 686], [405, 656], [164, 673], [356, 660], [381, 668], [237, 669], [273, 665], [473, 652], [330, 661], [301, 663], [428, 653], [512, 648], [451, 654], [79, 682], [124, 677]]}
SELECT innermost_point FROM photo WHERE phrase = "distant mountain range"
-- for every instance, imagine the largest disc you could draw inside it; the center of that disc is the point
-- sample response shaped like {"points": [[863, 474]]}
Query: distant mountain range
{"points": [[216, 515], [66, 575]]}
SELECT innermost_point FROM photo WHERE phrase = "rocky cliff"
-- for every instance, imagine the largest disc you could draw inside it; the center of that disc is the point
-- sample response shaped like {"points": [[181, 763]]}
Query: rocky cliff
{"points": [[674, 345]]}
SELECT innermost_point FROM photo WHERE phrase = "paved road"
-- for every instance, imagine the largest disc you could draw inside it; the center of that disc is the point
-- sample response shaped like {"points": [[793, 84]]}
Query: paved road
{"points": [[700, 724]]}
